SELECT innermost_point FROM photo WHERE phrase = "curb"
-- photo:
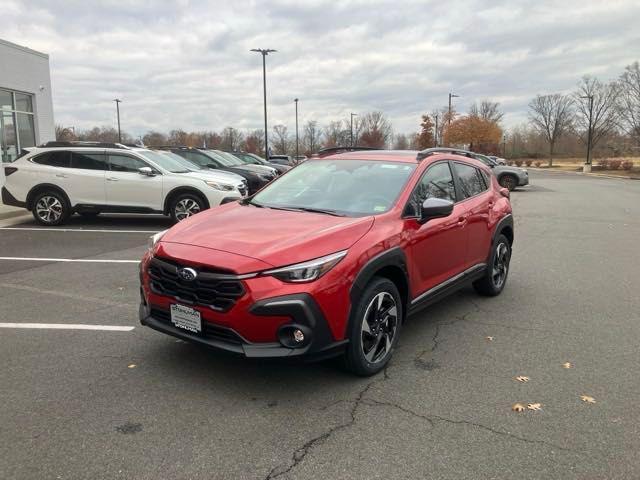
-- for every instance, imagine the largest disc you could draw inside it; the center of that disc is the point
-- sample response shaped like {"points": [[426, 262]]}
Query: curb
{"points": [[602, 175]]}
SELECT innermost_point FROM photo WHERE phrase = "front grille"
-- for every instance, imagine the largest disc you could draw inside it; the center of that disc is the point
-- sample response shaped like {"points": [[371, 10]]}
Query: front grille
{"points": [[243, 189], [216, 290], [210, 331]]}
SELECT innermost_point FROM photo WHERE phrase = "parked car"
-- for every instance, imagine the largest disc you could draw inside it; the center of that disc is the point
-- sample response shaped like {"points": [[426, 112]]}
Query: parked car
{"points": [[211, 160], [222, 174], [253, 159], [58, 179], [281, 159], [331, 258], [232, 160], [299, 159], [508, 177], [498, 160]]}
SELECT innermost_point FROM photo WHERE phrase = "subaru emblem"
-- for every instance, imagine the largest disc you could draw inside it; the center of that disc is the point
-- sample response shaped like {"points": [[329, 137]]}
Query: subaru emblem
{"points": [[187, 274]]}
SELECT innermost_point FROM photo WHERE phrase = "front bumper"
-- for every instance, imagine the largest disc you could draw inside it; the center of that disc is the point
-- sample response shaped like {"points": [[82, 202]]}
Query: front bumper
{"points": [[301, 309]]}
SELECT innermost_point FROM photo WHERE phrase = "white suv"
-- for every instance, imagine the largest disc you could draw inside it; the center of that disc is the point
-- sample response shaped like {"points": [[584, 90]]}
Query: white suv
{"points": [[61, 178]]}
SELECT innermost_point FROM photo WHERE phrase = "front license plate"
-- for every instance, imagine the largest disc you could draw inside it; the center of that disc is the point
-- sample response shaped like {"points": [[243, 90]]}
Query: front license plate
{"points": [[186, 317]]}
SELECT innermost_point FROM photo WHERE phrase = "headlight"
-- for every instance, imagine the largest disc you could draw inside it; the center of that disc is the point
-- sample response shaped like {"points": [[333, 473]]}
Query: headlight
{"points": [[307, 271], [265, 177], [155, 238], [220, 186]]}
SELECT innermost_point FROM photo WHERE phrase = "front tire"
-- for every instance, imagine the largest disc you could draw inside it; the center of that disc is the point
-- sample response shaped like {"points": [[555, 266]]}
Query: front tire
{"points": [[509, 182], [374, 328], [495, 277], [50, 208], [186, 205]]}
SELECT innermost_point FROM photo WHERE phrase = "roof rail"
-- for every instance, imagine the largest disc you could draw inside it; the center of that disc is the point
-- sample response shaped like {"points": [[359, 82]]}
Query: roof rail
{"points": [[83, 144], [435, 150], [324, 152], [169, 147]]}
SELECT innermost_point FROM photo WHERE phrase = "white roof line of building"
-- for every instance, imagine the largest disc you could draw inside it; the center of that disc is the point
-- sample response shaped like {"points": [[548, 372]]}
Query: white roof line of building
{"points": [[24, 49]]}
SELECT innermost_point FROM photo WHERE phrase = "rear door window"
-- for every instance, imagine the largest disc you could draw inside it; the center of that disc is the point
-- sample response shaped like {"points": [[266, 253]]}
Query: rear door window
{"points": [[470, 179], [58, 158], [89, 161]]}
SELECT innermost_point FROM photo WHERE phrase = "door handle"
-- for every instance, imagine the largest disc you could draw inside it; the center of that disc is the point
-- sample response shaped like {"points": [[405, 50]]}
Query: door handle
{"points": [[112, 179], [61, 175], [462, 220]]}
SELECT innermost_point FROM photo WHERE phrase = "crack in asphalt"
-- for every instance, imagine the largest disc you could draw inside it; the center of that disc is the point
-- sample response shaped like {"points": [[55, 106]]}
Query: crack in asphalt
{"points": [[301, 452], [432, 419]]}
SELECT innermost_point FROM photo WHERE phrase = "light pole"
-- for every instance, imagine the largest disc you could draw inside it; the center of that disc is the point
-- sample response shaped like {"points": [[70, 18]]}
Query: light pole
{"points": [[435, 132], [451, 95], [264, 52], [352, 115], [504, 145], [587, 166], [118, 101], [296, 101]]}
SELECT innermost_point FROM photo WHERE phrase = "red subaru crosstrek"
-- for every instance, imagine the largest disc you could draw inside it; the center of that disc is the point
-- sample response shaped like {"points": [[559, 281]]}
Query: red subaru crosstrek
{"points": [[331, 257]]}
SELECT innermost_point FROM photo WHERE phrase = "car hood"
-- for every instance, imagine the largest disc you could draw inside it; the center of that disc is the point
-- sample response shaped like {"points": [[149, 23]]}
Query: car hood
{"points": [[262, 169], [275, 237], [507, 168], [216, 175]]}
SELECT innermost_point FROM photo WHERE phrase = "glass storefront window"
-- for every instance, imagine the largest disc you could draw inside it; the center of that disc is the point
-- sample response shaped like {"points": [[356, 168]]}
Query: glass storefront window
{"points": [[26, 130], [17, 124], [6, 100], [24, 103]]}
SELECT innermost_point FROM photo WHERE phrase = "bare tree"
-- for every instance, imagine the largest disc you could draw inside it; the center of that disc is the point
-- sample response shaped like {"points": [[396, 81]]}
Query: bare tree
{"points": [[254, 142], [401, 142], [231, 139], [65, 134], [630, 100], [487, 110], [604, 114], [376, 130], [311, 137], [552, 116], [154, 138], [334, 134], [281, 141]]}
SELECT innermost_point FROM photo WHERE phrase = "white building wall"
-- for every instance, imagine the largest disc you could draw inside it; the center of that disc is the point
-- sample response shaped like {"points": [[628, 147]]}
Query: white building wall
{"points": [[25, 70]]}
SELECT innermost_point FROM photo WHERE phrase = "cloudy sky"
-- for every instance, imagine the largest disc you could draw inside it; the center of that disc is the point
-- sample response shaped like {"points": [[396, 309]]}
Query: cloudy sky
{"points": [[187, 63]]}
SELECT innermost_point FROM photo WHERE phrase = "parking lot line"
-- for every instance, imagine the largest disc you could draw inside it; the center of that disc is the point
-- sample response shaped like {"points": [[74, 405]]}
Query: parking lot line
{"points": [[78, 260], [67, 326], [87, 230]]}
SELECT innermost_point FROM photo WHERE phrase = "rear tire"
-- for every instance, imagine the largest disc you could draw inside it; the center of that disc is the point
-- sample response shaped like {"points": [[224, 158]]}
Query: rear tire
{"points": [[50, 208], [509, 182], [185, 205], [495, 277], [374, 328]]}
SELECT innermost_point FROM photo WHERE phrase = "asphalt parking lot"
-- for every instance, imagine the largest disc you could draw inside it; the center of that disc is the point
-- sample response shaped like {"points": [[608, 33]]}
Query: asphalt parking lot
{"points": [[133, 403]]}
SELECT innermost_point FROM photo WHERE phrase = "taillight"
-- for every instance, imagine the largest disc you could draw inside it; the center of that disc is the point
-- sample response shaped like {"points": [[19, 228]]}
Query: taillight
{"points": [[9, 170]]}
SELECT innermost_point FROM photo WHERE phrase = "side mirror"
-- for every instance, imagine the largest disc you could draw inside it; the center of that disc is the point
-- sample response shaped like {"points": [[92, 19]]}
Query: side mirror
{"points": [[435, 208], [505, 192], [147, 171]]}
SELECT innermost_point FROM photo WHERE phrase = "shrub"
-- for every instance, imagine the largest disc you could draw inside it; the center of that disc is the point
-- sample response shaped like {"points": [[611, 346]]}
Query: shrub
{"points": [[538, 163], [604, 163], [627, 165], [510, 162], [518, 163], [528, 162], [615, 164]]}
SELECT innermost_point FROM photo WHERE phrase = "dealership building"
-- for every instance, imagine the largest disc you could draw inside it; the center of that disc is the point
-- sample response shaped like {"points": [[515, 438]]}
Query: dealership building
{"points": [[26, 106]]}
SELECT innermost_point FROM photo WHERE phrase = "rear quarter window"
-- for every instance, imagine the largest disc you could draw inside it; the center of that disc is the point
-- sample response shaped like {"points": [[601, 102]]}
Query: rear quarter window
{"points": [[54, 159]]}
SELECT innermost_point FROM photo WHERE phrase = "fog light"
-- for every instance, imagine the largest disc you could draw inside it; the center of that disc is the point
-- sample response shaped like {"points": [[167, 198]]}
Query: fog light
{"points": [[298, 336]]}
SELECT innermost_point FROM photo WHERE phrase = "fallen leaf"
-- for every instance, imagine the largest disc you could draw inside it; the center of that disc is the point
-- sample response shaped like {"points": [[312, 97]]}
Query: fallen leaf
{"points": [[587, 399], [567, 365], [522, 379], [490, 339], [534, 406], [517, 407], [133, 365]]}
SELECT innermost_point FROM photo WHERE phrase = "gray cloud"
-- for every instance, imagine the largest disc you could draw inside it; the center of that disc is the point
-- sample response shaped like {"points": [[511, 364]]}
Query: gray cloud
{"points": [[187, 64]]}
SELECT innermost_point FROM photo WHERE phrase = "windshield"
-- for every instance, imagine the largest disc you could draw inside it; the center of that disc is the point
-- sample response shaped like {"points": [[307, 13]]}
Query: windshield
{"points": [[344, 187], [486, 160], [164, 161], [246, 158], [226, 158]]}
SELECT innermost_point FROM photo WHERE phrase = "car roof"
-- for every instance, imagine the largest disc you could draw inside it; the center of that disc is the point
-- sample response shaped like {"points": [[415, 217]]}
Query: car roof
{"points": [[404, 156]]}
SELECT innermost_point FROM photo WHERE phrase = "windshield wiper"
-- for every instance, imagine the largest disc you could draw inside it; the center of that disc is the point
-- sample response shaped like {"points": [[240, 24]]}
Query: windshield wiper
{"points": [[309, 209]]}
